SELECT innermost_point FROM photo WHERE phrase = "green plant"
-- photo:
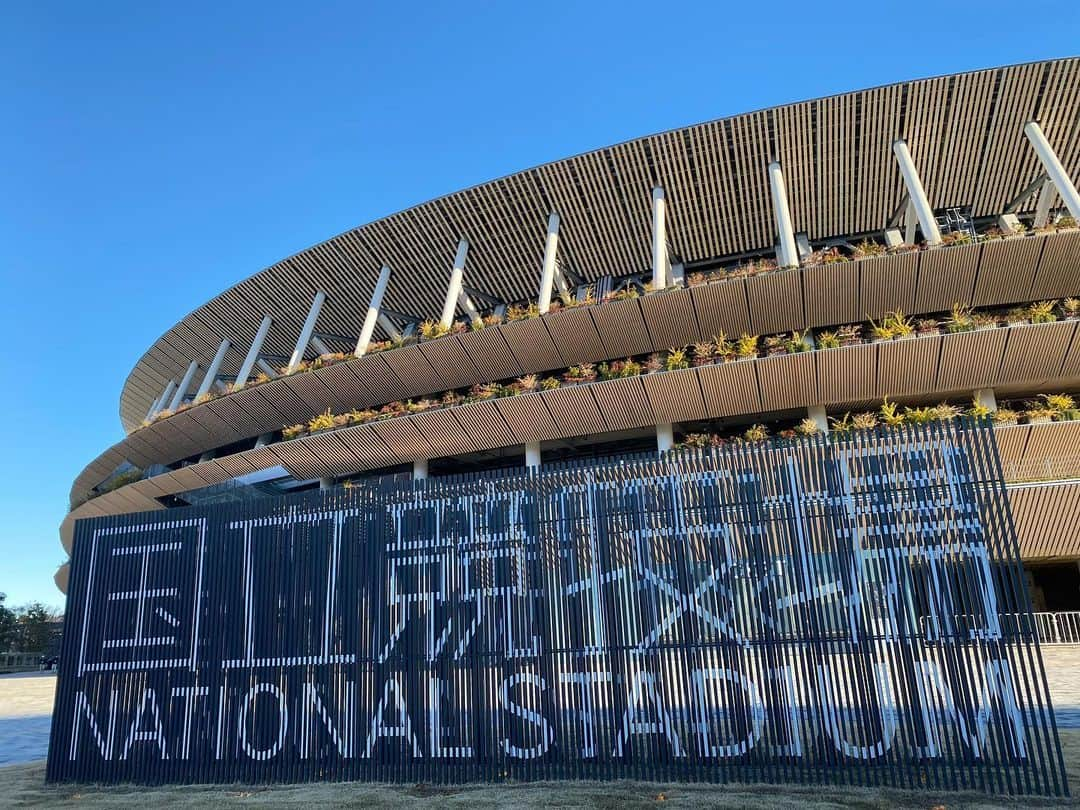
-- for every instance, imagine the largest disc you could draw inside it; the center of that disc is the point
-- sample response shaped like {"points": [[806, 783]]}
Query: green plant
{"points": [[451, 398], [841, 424], [696, 279], [1071, 307], [704, 352], [1058, 403], [482, 391], [1004, 416], [774, 344], [828, 340], [881, 331], [866, 420], [756, 433], [898, 324], [797, 343], [890, 413], [944, 412], [1016, 315], [584, 372], [959, 319], [1042, 312], [868, 248], [725, 349], [1037, 413], [522, 313], [292, 431], [654, 363], [429, 330], [919, 416], [1066, 222], [530, 382], [696, 440], [675, 360], [927, 326], [978, 410], [549, 383], [833, 256], [324, 421], [807, 427], [746, 346]]}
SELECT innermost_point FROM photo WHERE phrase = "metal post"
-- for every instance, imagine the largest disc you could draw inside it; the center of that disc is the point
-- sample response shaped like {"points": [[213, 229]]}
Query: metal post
{"points": [[1053, 167], [267, 368], [817, 413], [391, 330], [215, 366], [305, 332], [1047, 192], [372, 317], [911, 219], [318, 345], [532, 455], [253, 354], [986, 398], [665, 437], [659, 239], [185, 383], [547, 275], [420, 469], [917, 194], [789, 256], [453, 290]]}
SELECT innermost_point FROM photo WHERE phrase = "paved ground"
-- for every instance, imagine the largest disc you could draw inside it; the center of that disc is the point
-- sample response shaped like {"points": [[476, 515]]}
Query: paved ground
{"points": [[26, 701]]}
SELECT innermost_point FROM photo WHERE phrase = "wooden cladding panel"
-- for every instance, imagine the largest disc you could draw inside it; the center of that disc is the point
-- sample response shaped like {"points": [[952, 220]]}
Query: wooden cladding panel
{"points": [[832, 294], [575, 411], [847, 374], [676, 397], [528, 418], [490, 354], [486, 425], [776, 302], [722, 308], [445, 434], [788, 381], [451, 362], [1037, 513], [366, 445], [1058, 275], [622, 328], [417, 375], [970, 359], [730, 389], [575, 336], [532, 346], [946, 277], [887, 283], [907, 366], [1006, 271], [377, 377], [334, 458], [671, 320], [404, 439], [1035, 354], [624, 404]]}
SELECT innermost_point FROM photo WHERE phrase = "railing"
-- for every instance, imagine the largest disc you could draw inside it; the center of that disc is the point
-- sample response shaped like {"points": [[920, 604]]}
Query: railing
{"points": [[1057, 627]]}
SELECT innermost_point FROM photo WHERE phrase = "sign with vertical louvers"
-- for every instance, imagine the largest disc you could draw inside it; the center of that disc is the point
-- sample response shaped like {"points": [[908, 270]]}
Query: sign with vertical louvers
{"points": [[850, 609]]}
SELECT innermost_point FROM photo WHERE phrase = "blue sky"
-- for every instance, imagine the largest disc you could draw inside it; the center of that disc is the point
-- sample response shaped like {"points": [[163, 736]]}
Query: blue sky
{"points": [[152, 154]]}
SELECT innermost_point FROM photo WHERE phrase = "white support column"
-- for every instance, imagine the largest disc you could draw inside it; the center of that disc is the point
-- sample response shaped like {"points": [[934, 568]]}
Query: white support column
{"points": [[215, 366], [185, 384], [266, 368], [253, 353], [917, 194], [161, 400], [532, 455], [453, 290], [665, 437], [420, 469], [547, 275], [372, 317], [1047, 193], [1054, 169], [466, 303], [788, 251], [817, 413], [911, 219], [305, 331], [264, 439], [659, 240], [986, 398], [326, 483]]}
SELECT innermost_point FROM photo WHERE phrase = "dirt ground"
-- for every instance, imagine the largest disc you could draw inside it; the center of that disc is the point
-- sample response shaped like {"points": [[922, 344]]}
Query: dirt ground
{"points": [[24, 786]]}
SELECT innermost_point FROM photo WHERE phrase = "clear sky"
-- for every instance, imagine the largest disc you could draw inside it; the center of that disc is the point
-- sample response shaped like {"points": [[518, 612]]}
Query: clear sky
{"points": [[153, 154]]}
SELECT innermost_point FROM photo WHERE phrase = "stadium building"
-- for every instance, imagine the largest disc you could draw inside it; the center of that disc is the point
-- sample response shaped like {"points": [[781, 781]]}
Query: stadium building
{"points": [[905, 253]]}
